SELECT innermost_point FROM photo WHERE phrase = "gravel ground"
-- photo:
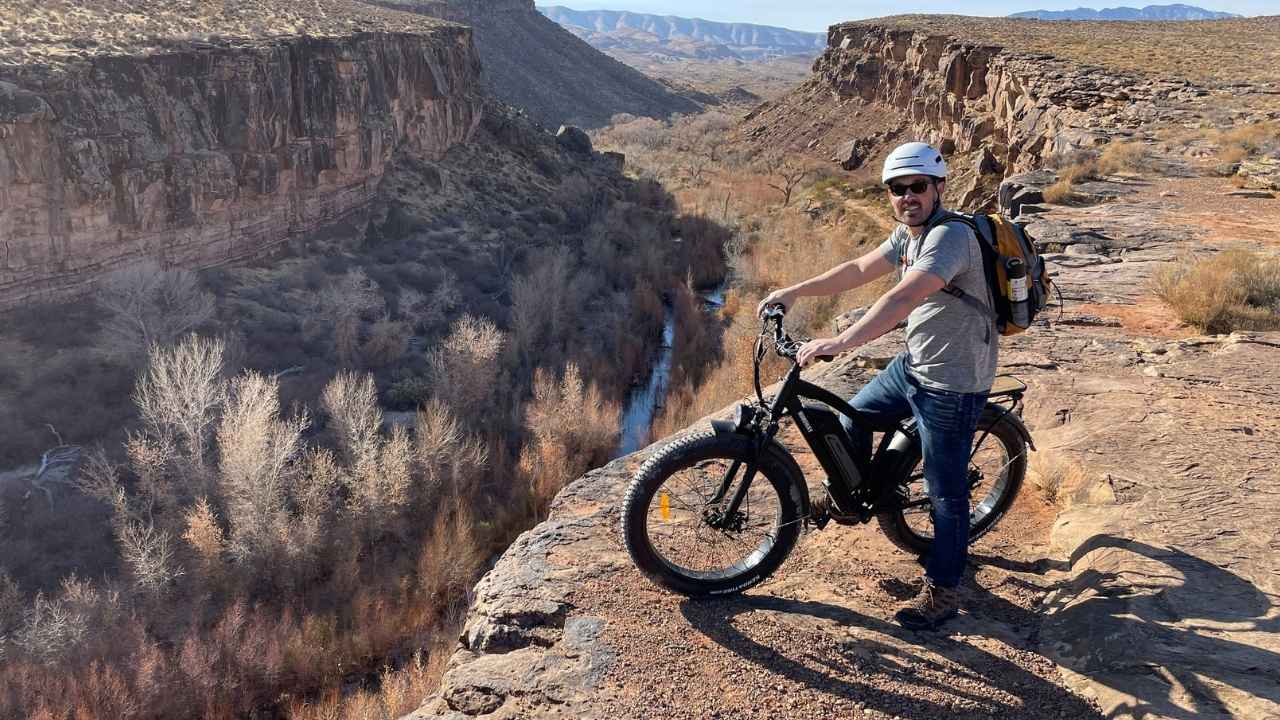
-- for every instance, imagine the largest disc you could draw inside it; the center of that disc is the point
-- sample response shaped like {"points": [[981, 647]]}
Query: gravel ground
{"points": [[818, 640]]}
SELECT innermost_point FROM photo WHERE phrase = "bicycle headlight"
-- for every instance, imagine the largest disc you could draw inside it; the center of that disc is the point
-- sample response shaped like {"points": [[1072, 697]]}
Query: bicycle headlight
{"points": [[743, 417]]}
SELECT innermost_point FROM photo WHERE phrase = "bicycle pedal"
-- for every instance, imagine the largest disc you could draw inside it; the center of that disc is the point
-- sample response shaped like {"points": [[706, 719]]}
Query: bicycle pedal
{"points": [[823, 511]]}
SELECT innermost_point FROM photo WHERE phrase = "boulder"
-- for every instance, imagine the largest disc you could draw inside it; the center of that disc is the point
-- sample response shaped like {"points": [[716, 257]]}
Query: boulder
{"points": [[574, 139], [1026, 188], [1263, 173], [852, 154]]}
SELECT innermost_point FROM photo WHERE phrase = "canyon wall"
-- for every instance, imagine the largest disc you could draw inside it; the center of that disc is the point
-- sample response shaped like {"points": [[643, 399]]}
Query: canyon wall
{"points": [[207, 154], [966, 97]]}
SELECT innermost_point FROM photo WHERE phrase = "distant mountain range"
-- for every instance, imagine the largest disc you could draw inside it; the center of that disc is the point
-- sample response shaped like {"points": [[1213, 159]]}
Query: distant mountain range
{"points": [[677, 37], [1150, 12]]}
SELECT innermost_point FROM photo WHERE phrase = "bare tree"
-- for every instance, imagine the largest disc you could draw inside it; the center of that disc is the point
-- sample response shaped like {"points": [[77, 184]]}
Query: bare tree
{"points": [[147, 305], [785, 175], [150, 558], [463, 369], [179, 393], [256, 448], [381, 470]]}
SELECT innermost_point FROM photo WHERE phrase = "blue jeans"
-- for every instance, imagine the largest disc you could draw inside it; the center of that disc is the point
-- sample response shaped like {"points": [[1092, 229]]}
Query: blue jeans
{"points": [[946, 423]]}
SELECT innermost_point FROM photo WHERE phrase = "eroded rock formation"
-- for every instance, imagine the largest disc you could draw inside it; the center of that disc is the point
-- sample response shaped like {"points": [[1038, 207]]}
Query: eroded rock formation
{"points": [[992, 110], [207, 154], [962, 96]]}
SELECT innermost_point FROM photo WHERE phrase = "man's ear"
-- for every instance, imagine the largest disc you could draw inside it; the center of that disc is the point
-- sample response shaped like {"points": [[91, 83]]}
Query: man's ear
{"points": [[942, 186]]}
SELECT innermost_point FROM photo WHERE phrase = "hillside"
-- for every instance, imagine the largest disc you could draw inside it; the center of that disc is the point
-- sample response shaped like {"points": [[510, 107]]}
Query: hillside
{"points": [[1150, 12], [531, 62], [677, 37]]}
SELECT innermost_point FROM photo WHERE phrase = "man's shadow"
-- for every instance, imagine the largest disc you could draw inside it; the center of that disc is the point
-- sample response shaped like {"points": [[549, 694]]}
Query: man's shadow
{"points": [[842, 675], [1121, 637], [1117, 627]]}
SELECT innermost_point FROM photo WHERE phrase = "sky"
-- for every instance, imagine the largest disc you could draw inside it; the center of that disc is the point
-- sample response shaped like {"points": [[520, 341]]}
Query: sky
{"points": [[816, 15]]}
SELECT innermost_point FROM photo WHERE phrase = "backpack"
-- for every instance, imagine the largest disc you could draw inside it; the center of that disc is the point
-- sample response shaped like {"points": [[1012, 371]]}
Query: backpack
{"points": [[1002, 239]]}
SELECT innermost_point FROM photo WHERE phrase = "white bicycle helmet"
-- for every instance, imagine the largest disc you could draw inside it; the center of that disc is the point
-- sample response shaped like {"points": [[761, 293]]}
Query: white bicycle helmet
{"points": [[913, 158]]}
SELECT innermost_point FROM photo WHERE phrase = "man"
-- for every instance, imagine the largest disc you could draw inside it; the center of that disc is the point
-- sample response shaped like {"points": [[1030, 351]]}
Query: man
{"points": [[945, 373]]}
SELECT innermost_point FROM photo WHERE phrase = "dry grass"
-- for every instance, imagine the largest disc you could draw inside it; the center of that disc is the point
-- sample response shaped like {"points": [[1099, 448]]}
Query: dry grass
{"points": [[1246, 141], [1055, 476], [1118, 157], [1232, 290]]}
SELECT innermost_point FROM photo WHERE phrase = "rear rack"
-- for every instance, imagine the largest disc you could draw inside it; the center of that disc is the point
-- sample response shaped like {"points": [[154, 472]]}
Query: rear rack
{"points": [[1007, 386]]}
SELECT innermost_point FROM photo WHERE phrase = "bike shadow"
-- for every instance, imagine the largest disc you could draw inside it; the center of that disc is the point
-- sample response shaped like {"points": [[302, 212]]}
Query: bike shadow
{"points": [[882, 650]]}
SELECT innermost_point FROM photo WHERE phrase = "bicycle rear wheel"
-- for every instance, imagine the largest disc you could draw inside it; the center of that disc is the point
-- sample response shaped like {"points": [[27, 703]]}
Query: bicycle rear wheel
{"points": [[681, 538], [997, 466]]}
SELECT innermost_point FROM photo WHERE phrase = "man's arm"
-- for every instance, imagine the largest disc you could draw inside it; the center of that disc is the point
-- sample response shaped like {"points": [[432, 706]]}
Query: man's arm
{"points": [[845, 276], [884, 315]]}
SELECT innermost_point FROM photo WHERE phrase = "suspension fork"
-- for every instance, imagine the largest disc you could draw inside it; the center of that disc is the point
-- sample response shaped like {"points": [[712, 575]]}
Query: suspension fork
{"points": [[760, 437]]}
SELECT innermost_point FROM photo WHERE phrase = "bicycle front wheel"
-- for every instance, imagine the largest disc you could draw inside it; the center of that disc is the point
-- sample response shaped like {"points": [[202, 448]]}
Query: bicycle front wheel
{"points": [[682, 537]]}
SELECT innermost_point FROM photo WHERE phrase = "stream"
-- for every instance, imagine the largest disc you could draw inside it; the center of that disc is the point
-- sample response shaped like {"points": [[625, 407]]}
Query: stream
{"points": [[647, 398]]}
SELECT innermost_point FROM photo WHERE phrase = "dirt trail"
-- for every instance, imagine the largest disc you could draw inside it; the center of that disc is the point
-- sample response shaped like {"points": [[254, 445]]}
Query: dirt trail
{"points": [[1153, 594]]}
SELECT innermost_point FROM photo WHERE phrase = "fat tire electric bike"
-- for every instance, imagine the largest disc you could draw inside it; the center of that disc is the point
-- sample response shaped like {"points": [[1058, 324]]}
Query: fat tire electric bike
{"points": [[717, 511]]}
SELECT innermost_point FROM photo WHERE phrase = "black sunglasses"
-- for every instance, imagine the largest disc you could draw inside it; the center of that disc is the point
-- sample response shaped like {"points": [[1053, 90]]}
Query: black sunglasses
{"points": [[916, 188]]}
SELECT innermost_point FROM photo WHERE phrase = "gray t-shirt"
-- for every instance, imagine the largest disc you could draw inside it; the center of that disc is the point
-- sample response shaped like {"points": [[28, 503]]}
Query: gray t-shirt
{"points": [[950, 343]]}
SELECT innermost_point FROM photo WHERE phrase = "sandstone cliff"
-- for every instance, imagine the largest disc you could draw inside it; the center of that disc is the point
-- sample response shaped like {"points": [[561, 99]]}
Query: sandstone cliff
{"points": [[992, 110], [531, 62], [207, 154]]}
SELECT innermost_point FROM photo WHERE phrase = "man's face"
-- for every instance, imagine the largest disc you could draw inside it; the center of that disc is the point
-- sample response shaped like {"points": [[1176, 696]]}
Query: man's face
{"points": [[913, 208]]}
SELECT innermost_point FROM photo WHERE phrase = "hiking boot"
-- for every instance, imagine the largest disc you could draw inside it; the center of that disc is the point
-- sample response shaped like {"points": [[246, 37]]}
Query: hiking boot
{"points": [[931, 607]]}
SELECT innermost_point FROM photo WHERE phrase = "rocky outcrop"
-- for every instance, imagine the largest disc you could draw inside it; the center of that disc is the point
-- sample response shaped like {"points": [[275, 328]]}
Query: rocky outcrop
{"points": [[965, 97], [206, 154]]}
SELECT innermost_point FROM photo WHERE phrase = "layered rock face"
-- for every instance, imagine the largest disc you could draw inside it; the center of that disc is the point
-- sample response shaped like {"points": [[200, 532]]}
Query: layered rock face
{"points": [[965, 97], [207, 154], [992, 110]]}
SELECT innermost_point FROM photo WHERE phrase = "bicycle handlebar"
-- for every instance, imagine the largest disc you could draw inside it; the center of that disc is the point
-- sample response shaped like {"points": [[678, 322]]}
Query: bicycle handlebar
{"points": [[783, 343]]}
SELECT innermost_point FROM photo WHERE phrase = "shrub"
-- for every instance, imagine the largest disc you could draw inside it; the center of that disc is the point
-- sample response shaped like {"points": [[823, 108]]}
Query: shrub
{"points": [[1245, 141], [1125, 156], [1232, 290], [146, 305], [1054, 476], [574, 429]]}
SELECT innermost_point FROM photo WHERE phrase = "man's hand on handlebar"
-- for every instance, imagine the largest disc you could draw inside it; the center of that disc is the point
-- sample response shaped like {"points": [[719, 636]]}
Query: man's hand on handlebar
{"points": [[778, 297], [821, 349]]}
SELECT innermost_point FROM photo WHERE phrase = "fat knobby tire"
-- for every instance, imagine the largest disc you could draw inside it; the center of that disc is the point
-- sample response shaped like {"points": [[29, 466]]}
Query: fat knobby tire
{"points": [[894, 523], [775, 467]]}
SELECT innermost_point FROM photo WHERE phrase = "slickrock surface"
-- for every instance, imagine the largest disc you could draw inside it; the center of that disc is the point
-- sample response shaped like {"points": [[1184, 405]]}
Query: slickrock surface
{"points": [[203, 133], [1154, 595]]}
